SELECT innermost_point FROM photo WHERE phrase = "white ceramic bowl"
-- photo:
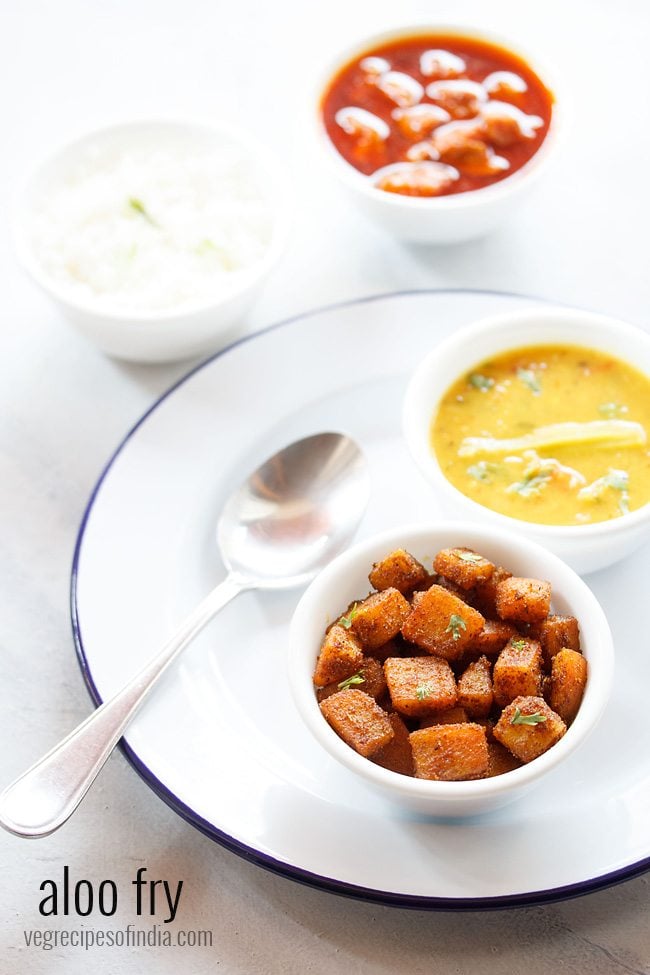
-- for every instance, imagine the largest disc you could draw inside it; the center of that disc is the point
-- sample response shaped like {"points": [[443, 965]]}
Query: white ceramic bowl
{"points": [[194, 327], [346, 579], [445, 219], [585, 547]]}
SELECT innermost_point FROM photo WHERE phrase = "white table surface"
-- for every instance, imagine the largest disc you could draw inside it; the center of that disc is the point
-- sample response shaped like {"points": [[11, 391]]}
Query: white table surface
{"points": [[582, 239]]}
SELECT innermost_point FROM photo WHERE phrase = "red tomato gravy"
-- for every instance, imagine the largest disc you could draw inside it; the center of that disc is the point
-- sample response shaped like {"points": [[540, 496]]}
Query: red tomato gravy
{"points": [[450, 130]]}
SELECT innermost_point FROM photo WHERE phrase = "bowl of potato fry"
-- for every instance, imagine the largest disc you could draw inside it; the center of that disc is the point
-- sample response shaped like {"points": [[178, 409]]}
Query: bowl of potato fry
{"points": [[450, 666]]}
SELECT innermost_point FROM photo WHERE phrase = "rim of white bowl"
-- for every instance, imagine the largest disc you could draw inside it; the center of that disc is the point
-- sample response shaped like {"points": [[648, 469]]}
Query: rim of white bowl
{"points": [[452, 201], [413, 420], [280, 200], [571, 588]]}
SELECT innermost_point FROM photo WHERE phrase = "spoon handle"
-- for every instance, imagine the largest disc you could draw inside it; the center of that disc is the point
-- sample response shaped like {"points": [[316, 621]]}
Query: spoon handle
{"points": [[44, 796]]}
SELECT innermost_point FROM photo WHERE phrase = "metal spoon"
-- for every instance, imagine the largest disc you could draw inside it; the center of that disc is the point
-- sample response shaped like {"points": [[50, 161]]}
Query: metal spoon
{"points": [[287, 521]]}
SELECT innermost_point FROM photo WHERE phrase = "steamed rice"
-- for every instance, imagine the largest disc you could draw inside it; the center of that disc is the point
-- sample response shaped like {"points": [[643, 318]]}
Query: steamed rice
{"points": [[155, 226]]}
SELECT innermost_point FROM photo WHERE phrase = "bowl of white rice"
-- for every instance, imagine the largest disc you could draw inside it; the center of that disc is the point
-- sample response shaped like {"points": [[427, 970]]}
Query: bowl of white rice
{"points": [[155, 237]]}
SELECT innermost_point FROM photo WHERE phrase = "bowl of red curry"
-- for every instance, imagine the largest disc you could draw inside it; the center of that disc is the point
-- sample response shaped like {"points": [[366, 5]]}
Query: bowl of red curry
{"points": [[437, 131]]}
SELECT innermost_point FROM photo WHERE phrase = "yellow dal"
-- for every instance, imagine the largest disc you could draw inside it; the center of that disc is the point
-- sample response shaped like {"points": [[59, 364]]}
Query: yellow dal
{"points": [[515, 392]]}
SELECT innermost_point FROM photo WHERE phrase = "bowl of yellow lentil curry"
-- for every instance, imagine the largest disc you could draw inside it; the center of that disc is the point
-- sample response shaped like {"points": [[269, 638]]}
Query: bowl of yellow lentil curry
{"points": [[540, 421]]}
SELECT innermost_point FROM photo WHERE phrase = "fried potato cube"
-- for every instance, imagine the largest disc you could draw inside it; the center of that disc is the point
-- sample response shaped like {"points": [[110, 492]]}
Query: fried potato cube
{"points": [[517, 671], [463, 566], [524, 738], [340, 656], [450, 586], [488, 726], [450, 752], [397, 755], [374, 680], [558, 632], [527, 600], [369, 679], [379, 617], [420, 685], [441, 623], [493, 637], [358, 720], [400, 571], [455, 715], [500, 760], [392, 648], [567, 684], [475, 692], [485, 594], [431, 578]]}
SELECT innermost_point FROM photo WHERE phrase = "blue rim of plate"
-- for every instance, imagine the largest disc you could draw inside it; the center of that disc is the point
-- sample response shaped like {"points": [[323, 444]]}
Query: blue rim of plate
{"points": [[306, 877]]}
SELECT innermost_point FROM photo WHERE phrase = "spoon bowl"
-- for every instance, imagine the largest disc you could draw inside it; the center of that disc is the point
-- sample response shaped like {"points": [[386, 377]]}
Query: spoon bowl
{"points": [[289, 519]]}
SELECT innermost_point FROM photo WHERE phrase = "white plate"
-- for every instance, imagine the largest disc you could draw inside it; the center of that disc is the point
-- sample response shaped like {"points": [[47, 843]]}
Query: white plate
{"points": [[220, 741]]}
